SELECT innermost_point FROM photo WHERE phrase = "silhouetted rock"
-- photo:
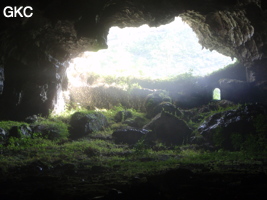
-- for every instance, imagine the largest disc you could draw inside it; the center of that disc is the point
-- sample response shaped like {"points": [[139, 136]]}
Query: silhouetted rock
{"points": [[123, 115], [166, 107], [83, 124], [20, 131], [31, 119], [168, 129], [136, 122], [51, 130], [128, 135], [153, 100], [220, 128]]}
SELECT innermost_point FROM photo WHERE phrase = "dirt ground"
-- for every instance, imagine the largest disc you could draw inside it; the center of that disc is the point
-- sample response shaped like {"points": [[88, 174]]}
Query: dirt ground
{"points": [[184, 182]]}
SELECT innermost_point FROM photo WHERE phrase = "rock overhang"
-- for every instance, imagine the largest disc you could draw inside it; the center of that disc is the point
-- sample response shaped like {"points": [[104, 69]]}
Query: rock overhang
{"points": [[60, 30]]}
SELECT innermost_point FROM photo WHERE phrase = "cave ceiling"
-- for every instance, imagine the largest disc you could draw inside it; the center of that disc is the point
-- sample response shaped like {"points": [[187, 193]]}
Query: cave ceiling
{"points": [[64, 28], [40, 47]]}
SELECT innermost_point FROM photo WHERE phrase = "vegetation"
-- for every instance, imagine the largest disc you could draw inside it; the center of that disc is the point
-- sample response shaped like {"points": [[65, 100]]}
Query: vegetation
{"points": [[253, 142], [95, 160], [132, 160], [53, 129], [213, 108], [6, 125], [140, 158]]}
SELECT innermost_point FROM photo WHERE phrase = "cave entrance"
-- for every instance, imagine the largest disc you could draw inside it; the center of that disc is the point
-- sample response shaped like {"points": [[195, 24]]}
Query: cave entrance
{"points": [[149, 52], [138, 54], [216, 94]]}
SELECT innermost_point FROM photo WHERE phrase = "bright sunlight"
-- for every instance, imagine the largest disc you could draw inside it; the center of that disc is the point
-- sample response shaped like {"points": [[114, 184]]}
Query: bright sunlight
{"points": [[140, 53], [144, 52]]}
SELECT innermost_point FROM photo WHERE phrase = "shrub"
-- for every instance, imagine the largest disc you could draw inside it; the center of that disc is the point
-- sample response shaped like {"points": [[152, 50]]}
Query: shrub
{"points": [[140, 148]]}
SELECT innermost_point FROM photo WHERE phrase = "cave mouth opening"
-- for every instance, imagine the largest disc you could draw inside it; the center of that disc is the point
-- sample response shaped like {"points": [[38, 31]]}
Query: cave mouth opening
{"points": [[147, 53], [138, 54]]}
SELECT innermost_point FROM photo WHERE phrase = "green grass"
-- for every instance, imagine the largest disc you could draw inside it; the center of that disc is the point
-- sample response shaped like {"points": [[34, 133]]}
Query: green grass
{"points": [[62, 119], [56, 129], [128, 161], [6, 125], [110, 114], [121, 162]]}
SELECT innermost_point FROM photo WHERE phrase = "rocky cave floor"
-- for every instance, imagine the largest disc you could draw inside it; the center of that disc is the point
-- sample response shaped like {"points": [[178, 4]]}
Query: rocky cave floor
{"points": [[96, 167], [189, 181]]}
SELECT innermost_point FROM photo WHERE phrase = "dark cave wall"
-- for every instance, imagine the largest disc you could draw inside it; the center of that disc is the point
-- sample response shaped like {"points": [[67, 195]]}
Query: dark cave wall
{"points": [[239, 32], [1, 79], [35, 51]]}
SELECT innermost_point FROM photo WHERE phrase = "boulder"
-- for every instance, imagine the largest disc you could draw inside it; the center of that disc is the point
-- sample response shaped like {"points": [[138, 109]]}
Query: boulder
{"points": [[153, 100], [168, 129], [166, 107], [82, 124], [122, 115], [136, 122], [129, 135], [20, 131], [31, 119], [226, 129], [51, 130]]}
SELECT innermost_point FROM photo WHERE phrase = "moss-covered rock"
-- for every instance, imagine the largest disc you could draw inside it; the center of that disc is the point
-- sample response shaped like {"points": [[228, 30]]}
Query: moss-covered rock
{"points": [[20, 131], [14, 129], [51, 129], [166, 107], [153, 101], [233, 129], [82, 124], [123, 115], [136, 122]]}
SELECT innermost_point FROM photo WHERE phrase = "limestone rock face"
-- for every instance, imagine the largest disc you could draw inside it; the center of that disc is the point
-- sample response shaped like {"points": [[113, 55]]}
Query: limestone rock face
{"points": [[35, 51]]}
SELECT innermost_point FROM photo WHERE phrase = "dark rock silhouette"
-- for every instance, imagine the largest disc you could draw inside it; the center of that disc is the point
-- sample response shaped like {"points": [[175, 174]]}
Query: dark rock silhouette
{"points": [[129, 135], [82, 124], [220, 128], [168, 129]]}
